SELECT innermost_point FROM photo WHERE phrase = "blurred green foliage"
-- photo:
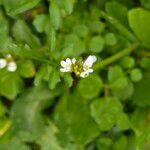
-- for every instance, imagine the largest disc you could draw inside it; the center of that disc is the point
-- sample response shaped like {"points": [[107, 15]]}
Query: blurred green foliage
{"points": [[44, 109]]}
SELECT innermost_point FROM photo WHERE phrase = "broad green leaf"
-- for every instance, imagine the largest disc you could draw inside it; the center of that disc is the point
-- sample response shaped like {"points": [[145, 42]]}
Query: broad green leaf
{"points": [[136, 75], [110, 39], [127, 62], [55, 15], [96, 44], [14, 144], [41, 23], [68, 5], [121, 142], [124, 93], [49, 141], [27, 69], [15, 7], [42, 73], [104, 143], [141, 95], [117, 78], [90, 87], [29, 120], [141, 128], [145, 63], [10, 84], [73, 46], [81, 30], [145, 3], [68, 80], [104, 111], [22, 33], [107, 112], [139, 21], [68, 112], [118, 11]]}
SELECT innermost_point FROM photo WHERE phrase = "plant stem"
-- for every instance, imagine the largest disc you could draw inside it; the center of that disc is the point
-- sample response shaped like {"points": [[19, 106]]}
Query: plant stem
{"points": [[115, 57], [5, 128]]}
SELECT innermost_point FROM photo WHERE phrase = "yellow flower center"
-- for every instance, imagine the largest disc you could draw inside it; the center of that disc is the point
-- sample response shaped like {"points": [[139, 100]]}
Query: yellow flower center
{"points": [[77, 68]]}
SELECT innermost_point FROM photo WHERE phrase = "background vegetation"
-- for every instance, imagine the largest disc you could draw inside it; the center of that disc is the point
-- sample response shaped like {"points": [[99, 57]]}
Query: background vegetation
{"points": [[44, 109]]}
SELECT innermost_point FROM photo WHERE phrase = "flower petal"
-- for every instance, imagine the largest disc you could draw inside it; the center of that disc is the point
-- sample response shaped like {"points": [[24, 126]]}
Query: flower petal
{"points": [[89, 61], [3, 63], [68, 61], [73, 60], [84, 74], [63, 63], [12, 66]]}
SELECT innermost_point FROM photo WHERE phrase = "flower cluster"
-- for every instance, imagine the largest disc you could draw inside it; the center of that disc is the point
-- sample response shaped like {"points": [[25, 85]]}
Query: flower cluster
{"points": [[80, 68], [9, 63]]}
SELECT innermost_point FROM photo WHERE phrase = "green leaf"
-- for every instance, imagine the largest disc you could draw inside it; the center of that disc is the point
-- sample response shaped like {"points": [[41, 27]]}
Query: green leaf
{"points": [[90, 87], [136, 75], [141, 95], [10, 84], [104, 143], [4, 31], [141, 128], [68, 80], [54, 78], [145, 3], [68, 5], [55, 15], [139, 21], [27, 69], [96, 44], [15, 7], [14, 144], [118, 11], [29, 120], [105, 112], [68, 112], [49, 141], [117, 78], [41, 23], [81, 30], [22, 33], [110, 39], [43, 73], [121, 142], [127, 62]]}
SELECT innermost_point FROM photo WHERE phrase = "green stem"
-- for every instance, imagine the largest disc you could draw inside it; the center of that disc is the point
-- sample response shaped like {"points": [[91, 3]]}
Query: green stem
{"points": [[115, 57], [5, 128]]}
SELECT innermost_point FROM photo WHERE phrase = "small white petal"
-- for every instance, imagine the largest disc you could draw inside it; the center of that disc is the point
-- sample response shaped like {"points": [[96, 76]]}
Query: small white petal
{"points": [[73, 60], [68, 61], [63, 63], [90, 70], [84, 74], [3, 63], [12, 67], [89, 61], [94, 58]]}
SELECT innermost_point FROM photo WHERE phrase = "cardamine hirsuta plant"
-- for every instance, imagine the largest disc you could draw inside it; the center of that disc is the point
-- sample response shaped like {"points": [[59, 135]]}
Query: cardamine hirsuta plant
{"points": [[74, 75]]}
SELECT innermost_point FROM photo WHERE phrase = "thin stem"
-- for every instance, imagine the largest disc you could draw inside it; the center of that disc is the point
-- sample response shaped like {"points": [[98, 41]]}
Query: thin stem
{"points": [[7, 125], [115, 57]]}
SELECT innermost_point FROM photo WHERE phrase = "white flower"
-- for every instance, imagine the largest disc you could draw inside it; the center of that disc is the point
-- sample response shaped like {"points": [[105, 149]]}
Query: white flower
{"points": [[66, 65], [88, 63], [9, 63], [3, 63], [12, 67], [80, 68]]}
